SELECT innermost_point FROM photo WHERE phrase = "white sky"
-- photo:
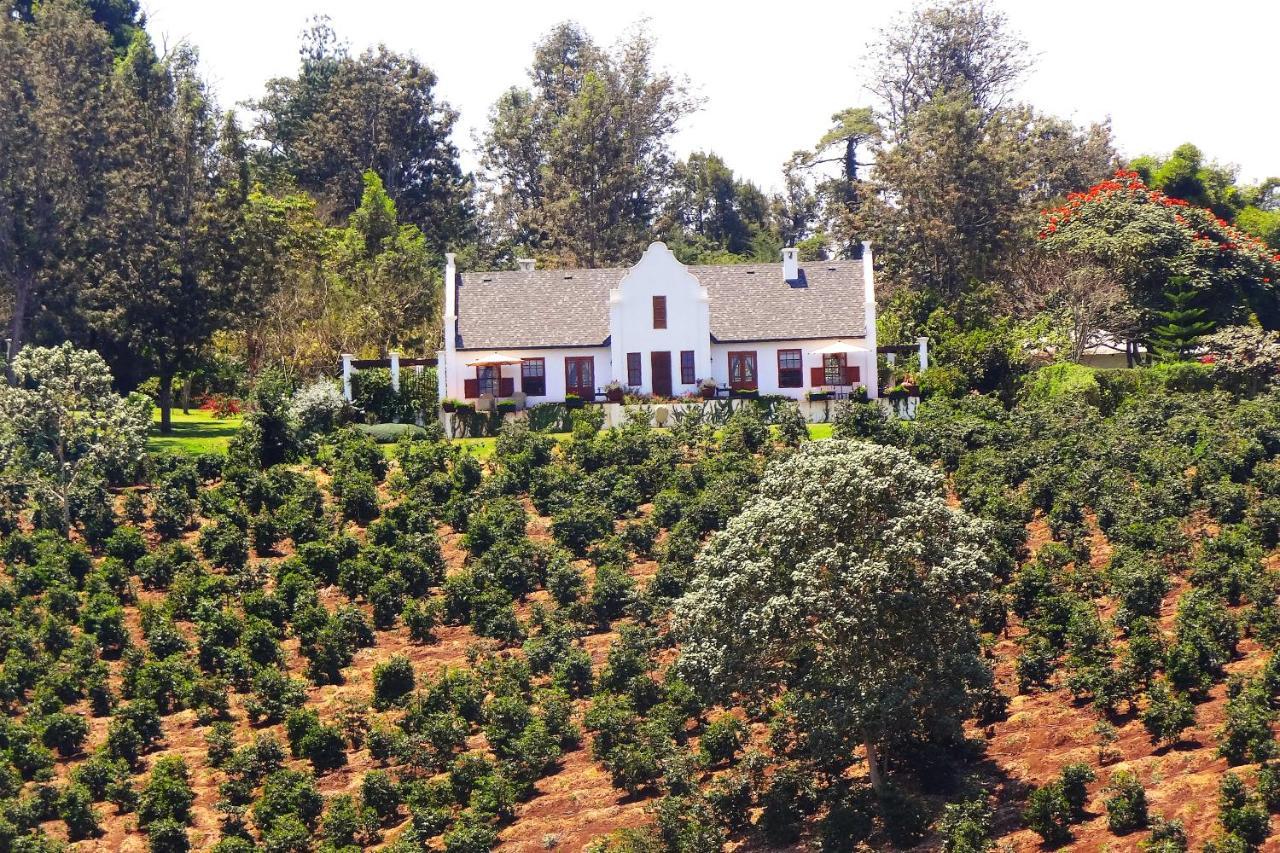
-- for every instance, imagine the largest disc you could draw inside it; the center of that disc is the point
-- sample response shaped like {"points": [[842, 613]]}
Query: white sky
{"points": [[1165, 71]]}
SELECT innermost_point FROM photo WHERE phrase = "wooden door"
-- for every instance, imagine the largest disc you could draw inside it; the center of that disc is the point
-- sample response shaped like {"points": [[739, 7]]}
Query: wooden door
{"points": [[661, 364], [579, 376]]}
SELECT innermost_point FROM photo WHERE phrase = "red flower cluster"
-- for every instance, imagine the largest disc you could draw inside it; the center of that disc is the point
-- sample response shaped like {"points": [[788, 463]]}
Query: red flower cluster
{"points": [[1126, 182]]}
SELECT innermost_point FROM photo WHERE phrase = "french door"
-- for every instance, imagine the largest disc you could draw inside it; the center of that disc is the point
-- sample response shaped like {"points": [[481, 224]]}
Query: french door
{"points": [[580, 376], [742, 371]]}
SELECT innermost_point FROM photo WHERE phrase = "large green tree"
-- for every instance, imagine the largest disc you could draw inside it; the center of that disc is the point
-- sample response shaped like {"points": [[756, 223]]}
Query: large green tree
{"points": [[1186, 175], [712, 216], [1147, 240], [577, 163], [846, 589], [55, 64], [381, 111], [171, 264]]}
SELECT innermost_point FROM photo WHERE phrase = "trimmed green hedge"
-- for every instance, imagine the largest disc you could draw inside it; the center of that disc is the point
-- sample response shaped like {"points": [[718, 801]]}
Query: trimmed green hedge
{"points": [[390, 433]]}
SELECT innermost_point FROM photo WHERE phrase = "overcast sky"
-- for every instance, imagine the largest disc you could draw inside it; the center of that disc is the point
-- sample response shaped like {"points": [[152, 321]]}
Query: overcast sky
{"points": [[1165, 71]]}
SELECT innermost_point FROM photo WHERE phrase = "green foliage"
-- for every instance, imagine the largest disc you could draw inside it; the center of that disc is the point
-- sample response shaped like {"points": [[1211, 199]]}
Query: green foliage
{"points": [[1048, 814], [1181, 324], [1063, 379], [1126, 803], [167, 796], [392, 681], [797, 513]]}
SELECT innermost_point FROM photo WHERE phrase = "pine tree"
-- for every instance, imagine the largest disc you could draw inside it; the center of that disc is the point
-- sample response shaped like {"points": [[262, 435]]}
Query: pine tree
{"points": [[1181, 324]]}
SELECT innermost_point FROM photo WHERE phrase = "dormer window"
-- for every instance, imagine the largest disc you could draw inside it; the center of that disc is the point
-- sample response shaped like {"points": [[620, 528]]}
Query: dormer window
{"points": [[659, 312]]}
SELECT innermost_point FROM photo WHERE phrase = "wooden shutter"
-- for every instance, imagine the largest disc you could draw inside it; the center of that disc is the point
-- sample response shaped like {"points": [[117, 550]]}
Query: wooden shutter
{"points": [[659, 312], [506, 386], [471, 388], [852, 374], [817, 377]]}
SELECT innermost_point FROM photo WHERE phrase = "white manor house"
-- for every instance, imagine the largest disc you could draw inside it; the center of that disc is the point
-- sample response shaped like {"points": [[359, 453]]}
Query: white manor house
{"points": [[659, 328]]}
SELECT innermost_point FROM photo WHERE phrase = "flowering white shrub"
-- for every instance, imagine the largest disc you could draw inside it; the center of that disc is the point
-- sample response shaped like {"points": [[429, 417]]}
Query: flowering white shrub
{"points": [[847, 587], [64, 431], [318, 408]]}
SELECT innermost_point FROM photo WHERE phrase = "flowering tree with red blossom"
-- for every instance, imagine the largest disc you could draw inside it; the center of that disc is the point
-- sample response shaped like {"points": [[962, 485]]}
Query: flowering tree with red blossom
{"points": [[1148, 239]]}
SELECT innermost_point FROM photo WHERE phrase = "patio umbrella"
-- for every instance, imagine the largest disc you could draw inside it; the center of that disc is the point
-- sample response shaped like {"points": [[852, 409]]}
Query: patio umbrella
{"points": [[837, 348], [494, 359]]}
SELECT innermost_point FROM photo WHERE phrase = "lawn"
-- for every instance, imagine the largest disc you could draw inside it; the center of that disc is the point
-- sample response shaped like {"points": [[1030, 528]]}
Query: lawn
{"points": [[197, 432], [818, 432]]}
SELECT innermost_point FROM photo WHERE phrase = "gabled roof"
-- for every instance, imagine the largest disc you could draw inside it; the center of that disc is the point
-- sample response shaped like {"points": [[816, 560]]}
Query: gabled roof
{"points": [[520, 309]]}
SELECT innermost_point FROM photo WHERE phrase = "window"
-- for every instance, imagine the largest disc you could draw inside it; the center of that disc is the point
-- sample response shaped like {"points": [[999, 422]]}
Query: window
{"points": [[687, 376], [742, 371], [634, 379], [487, 380], [580, 376], [833, 365], [659, 312], [790, 369], [533, 377]]}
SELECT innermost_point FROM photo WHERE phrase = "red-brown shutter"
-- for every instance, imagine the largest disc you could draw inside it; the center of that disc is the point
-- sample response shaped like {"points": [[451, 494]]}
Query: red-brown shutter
{"points": [[506, 386], [471, 388], [852, 374], [817, 378]]}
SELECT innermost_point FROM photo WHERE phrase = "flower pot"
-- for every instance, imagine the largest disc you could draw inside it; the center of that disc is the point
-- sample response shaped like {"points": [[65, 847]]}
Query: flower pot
{"points": [[614, 395], [707, 393], [574, 404], [449, 406]]}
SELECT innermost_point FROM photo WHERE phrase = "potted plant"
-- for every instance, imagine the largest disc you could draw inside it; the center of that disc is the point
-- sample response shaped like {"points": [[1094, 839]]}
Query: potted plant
{"points": [[507, 407], [707, 388], [572, 401], [896, 392], [449, 404], [744, 393], [614, 392], [910, 385], [859, 394], [813, 396], [464, 408]]}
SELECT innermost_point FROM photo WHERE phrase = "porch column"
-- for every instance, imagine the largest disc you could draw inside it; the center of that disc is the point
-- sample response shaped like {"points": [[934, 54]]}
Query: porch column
{"points": [[395, 371], [923, 343], [346, 375]]}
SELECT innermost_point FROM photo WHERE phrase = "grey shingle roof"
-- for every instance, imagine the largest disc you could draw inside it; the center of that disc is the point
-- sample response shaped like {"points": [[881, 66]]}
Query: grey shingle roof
{"points": [[570, 308]]}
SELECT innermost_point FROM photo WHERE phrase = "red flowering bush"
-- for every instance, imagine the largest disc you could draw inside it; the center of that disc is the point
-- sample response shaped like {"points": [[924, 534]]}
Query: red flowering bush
{"points": [[1146, 237], [221, 405]]}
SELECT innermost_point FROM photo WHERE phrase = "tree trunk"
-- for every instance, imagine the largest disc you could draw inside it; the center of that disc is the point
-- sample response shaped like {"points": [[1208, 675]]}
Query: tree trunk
{"points": [[186, 393], [166, 403], [24, 284], [873, 766]]}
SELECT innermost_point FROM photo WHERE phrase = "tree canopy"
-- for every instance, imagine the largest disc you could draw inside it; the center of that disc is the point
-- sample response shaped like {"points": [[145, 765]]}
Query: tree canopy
{"points": [[845, 588]]}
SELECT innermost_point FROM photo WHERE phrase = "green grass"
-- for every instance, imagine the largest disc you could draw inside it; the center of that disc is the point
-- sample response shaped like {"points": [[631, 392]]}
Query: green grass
{"points": [[198, 432], [818, 432]]}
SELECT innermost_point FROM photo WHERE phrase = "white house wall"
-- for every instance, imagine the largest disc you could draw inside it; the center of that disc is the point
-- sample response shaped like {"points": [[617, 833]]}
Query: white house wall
{"points": [[718, 357], [658, 273], [554, 365], [767, 363]]}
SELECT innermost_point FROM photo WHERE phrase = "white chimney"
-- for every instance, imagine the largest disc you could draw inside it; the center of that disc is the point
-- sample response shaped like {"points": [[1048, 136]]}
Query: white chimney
{"points": [[526, 264], [790, 264]]}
